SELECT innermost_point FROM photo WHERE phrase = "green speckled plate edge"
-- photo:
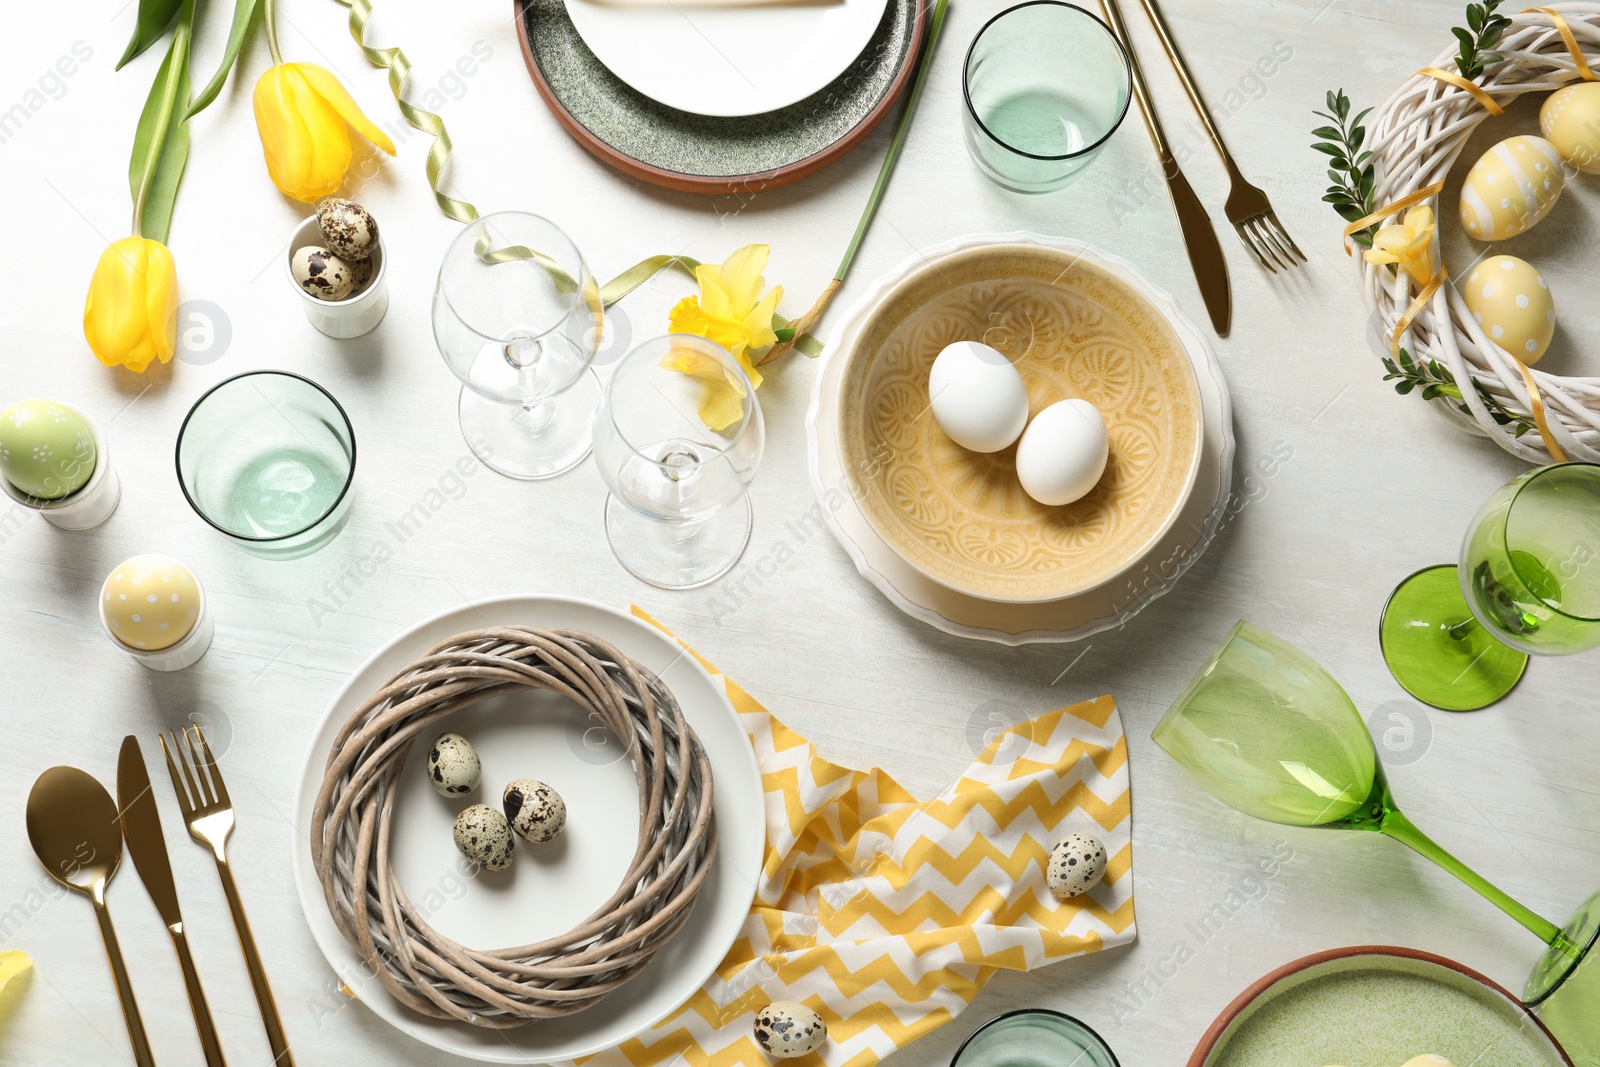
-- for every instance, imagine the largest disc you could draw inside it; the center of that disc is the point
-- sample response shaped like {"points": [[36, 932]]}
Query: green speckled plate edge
{"points": [[703, 154], [1292, 974]]}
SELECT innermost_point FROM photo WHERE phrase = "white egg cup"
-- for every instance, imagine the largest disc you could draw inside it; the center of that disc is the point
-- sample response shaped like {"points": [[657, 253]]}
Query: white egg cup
{"points": [[346, 318], [91, 503], [174, 657]]}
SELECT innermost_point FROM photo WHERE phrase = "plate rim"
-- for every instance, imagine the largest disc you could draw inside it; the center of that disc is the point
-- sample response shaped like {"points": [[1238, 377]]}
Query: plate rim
{"points": [[1119, 270], [882, 6], [722, 184], [1208, 1041], [1202, 354], [308, 887]]}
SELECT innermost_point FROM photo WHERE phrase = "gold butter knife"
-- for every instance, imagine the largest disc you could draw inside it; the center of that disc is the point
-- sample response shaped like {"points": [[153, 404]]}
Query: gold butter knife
{"points": [[141, 829], [1205, 252]]}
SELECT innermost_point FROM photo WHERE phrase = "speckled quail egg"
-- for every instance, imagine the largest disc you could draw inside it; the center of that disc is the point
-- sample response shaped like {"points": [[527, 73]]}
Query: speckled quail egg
{"points": [[321, 273], [787, 1029], [348, 229], [360, 275], [484, 836], [536, 811], [1077, 864], [453, 765]]}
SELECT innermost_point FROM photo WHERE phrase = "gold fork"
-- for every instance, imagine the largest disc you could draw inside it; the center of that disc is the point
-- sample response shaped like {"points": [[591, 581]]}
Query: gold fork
{"points": [[1248, 207], [209, 813]]}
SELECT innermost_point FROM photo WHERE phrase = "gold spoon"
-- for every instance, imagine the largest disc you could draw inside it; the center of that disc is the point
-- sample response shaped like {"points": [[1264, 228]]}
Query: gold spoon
{"points": [[72, 823]]}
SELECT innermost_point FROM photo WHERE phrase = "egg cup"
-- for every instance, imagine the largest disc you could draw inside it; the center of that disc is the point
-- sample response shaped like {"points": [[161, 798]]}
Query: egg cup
{"points": [[356, 314], [176, 657], [90, 504]]}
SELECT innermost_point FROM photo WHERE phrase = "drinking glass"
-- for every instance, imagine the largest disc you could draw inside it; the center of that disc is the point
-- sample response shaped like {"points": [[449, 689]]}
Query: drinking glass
{"points": [[1046, 85], [1458, 637], [268, 458], [678, 514], [1034, 1037], [517, 318], [1264, 729]]}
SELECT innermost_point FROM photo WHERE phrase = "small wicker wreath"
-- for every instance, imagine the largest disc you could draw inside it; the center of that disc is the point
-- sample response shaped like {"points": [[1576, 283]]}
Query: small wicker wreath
{"points": [[1416, 136], [502, 988]]}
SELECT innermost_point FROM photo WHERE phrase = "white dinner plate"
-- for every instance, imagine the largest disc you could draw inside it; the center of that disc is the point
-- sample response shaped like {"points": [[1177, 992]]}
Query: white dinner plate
{"points": [[730, 57], [549, 889]]}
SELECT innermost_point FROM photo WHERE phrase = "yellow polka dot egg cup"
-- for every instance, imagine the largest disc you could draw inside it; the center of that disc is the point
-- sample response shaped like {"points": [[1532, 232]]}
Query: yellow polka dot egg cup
{"points": [[154, 608], [1510, 299]]}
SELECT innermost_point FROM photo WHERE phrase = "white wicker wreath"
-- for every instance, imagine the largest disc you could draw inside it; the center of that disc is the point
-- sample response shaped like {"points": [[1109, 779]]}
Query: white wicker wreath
{"points": [[1416, 136]]}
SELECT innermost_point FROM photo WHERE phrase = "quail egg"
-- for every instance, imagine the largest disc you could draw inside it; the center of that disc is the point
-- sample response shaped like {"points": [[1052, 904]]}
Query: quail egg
{"points": [[1076, 865], [360, 275], [453, 765], [348, 228], [536, 811], [484, 836], [321, 273], [786, 1029]]}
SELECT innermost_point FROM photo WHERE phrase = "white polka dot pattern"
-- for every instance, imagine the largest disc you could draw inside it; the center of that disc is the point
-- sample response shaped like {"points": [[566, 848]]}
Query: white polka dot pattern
{"points": [[1511, 301], [150, 602]]}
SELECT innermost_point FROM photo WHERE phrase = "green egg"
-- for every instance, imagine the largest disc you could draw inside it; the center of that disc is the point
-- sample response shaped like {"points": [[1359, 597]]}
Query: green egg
{"points": [[46, 449]]}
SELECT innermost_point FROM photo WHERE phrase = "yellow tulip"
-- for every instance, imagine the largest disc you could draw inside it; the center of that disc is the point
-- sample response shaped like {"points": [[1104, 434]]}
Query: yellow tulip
{"points": [[730, 310], [304, 117], [1408, 243], [131, 315]]}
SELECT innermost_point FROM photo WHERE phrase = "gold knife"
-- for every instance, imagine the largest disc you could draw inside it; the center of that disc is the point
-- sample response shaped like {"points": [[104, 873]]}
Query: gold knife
{"points": [[141, 828], [1205, 253]]}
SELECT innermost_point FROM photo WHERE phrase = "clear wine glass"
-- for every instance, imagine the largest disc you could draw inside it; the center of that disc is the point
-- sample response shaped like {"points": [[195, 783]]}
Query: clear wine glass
{"points": [[517, 317], [1458, 637], [678, 515], [1264, 729]]}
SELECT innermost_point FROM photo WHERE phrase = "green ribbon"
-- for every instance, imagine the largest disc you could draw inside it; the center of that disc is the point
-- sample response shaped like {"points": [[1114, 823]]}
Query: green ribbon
{"points": [[399, 67]]}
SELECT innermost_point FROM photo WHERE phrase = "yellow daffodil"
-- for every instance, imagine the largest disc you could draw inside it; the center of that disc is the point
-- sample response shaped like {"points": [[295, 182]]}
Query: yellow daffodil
{"points": [[304, 117], [731, 310], [131, 314], [1408, 243]]}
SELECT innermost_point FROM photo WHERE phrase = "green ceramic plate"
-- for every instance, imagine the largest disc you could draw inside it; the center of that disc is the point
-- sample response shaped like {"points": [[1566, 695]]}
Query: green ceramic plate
{"points": [[1376, 1007], [705, 154]]}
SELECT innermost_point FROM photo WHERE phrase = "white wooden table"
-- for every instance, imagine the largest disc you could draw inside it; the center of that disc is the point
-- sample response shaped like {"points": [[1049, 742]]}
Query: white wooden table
{"points": [[1360, 487]]}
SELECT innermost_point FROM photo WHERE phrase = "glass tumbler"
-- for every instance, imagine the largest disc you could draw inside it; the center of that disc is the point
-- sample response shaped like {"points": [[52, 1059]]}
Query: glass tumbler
{"points": [[1035, 1037], [268, 458], [517, 317], [1046, 85], [677, 439]]}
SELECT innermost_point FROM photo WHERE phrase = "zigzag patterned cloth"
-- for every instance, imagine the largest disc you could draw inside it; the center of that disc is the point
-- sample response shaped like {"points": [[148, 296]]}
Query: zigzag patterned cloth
{"points": [[888, 914]]}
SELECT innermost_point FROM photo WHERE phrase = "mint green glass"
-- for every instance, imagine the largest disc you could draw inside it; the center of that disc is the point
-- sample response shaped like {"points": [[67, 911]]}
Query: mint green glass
{"points": [[1035, 1037], [1528, 581], [1264, 729]]}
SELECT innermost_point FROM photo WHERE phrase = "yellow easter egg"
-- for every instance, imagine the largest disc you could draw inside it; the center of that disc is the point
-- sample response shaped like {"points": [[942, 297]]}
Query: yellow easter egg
{"points": [[1570, 118], [1513, 186], [150, 602], [1509, 299]]}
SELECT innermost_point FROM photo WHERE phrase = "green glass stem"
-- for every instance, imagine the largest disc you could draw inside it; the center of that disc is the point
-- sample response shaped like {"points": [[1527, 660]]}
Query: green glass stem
{"points": [[1461, 629], [1397, 826]]}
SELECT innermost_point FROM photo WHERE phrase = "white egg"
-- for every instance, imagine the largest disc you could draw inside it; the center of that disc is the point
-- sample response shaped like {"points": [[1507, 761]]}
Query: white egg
{"points": [[1512, 187], [977, 396], [1063, 452], [1513, 304]]}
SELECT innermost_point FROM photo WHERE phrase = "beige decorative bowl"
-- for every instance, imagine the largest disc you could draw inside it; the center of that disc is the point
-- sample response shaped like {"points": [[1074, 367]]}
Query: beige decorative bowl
{"points": [[1074, 325]]}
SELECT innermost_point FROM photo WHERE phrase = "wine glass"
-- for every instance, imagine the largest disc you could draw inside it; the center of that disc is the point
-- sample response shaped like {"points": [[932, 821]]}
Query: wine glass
{"points": [[1264, 729], [678, 515], [517, 317], [1458, 637]]}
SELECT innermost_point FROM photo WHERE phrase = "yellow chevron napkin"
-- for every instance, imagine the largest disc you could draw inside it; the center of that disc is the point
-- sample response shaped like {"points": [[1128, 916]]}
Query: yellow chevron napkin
{"points": [[888, 914]]}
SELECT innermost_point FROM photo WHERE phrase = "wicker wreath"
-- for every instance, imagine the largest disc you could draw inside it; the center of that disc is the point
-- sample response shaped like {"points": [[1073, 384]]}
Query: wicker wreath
{"points": [[502, 988], [1416, 136]]}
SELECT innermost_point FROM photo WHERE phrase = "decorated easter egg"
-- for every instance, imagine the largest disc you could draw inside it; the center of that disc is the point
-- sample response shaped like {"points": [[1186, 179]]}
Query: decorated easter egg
{"points": [[1511, 301], [46, 449], [1513, 186], [1570, 118], [787, 1030], [150, 602]]}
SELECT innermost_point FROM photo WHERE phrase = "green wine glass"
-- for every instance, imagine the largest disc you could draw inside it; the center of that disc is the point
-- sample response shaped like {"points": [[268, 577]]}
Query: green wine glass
{"points": [[1264, 729], [1458, 637]]}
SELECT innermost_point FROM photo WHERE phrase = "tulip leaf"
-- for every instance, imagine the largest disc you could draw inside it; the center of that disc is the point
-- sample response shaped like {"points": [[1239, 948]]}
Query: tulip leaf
{"points": [[243, 11], [161, 146], [154, 18]]}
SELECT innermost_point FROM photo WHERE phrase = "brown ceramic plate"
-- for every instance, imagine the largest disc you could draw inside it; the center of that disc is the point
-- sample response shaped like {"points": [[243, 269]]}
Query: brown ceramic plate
{"points": [[708, 154], [1376, 1006], [1074, 325]]}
